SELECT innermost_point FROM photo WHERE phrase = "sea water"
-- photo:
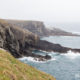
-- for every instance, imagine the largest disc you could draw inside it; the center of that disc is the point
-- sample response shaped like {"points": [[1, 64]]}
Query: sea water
{"points": [[67, 26], [61, 66]]}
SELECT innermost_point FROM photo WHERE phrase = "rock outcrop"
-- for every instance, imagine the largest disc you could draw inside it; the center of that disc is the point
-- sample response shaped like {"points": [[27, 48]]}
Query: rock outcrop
{"points": [[20, 42], [39, 28], [47, 46]]}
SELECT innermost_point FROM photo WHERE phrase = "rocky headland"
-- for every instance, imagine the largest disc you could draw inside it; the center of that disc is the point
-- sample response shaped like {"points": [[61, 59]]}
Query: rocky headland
{"points": [[39, 28], [17, 41], [21, 42]]}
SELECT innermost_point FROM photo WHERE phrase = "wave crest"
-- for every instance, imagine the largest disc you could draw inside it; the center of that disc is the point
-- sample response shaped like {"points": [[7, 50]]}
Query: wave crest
{"points": [[34, 59], [72, 55]]}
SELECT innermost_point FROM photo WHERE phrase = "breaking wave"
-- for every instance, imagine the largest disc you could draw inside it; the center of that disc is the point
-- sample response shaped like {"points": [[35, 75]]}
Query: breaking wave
{"points": [[72, 55], [34, 59]]}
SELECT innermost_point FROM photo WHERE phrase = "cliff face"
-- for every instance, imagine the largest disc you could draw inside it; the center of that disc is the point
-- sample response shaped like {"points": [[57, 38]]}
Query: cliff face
{"points": [[12, 69], [20, 42], [39, 28], [16, 40], [33, 26]]}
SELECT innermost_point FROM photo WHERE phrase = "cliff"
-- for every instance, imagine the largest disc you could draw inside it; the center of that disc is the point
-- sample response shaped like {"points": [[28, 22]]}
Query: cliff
{"points": [[12, 69], [39, 28], [20, 42], [36, 27]]}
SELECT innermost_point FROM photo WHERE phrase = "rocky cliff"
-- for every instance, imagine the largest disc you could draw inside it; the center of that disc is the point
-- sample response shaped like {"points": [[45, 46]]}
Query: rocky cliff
{"points": [[39, 28], [20, 42]]}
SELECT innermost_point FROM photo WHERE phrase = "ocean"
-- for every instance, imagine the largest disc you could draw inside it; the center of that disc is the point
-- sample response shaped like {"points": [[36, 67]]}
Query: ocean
{"points": [[70, 27], [61, 66]]}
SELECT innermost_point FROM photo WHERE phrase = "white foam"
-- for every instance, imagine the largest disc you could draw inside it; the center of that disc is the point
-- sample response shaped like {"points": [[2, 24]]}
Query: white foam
{"points": [[43, 51], [72, 55], [34, 59], [28, 58]]}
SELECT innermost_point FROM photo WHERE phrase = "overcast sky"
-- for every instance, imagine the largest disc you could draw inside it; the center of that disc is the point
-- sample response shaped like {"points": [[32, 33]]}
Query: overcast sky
{"points": [[42, 10]]}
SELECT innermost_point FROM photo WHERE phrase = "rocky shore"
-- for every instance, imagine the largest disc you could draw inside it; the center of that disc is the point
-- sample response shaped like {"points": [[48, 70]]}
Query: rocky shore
{"points": [[20, 42], [47, 46]]}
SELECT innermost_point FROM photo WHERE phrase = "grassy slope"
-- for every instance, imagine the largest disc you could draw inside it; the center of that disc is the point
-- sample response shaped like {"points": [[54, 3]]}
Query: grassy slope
{"points": [[12, 69]]}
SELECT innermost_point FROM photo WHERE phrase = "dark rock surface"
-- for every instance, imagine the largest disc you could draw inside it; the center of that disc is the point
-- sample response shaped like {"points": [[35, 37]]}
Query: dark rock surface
{"points": [[18, 41], [39, 28], [47, 46]]}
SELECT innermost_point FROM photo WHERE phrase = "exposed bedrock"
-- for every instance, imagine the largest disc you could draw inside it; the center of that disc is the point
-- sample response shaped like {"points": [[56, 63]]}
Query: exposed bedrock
{"points": [[47, 46], [39, 28], [20, 42]]}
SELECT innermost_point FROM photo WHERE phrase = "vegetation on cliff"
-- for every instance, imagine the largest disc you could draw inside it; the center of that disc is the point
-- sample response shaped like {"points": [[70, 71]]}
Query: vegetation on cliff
{"points": [[12, 69]]}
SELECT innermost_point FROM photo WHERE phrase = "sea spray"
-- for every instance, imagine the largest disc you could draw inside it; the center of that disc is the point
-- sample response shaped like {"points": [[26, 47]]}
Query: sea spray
{"points": [[72, 55], [25, 59]]}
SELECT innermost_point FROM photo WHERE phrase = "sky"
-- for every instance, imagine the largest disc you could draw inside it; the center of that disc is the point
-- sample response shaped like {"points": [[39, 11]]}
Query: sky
{"points": [[41, 10]]}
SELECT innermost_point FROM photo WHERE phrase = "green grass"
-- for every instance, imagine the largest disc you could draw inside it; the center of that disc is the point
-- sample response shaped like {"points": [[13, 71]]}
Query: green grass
{"points": [[12, 69]]}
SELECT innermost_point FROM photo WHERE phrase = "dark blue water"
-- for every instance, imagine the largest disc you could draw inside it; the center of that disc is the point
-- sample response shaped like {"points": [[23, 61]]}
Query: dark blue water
{"points": [[62, 67]]}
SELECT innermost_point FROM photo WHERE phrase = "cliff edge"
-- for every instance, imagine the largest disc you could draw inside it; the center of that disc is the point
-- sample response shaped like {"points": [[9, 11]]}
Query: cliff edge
{"points": [[18, 42], [12, 69], [21, 42]]}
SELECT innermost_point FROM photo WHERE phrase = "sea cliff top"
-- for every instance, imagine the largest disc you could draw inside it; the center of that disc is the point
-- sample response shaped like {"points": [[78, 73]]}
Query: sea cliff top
{"points": [[12, 69]]}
